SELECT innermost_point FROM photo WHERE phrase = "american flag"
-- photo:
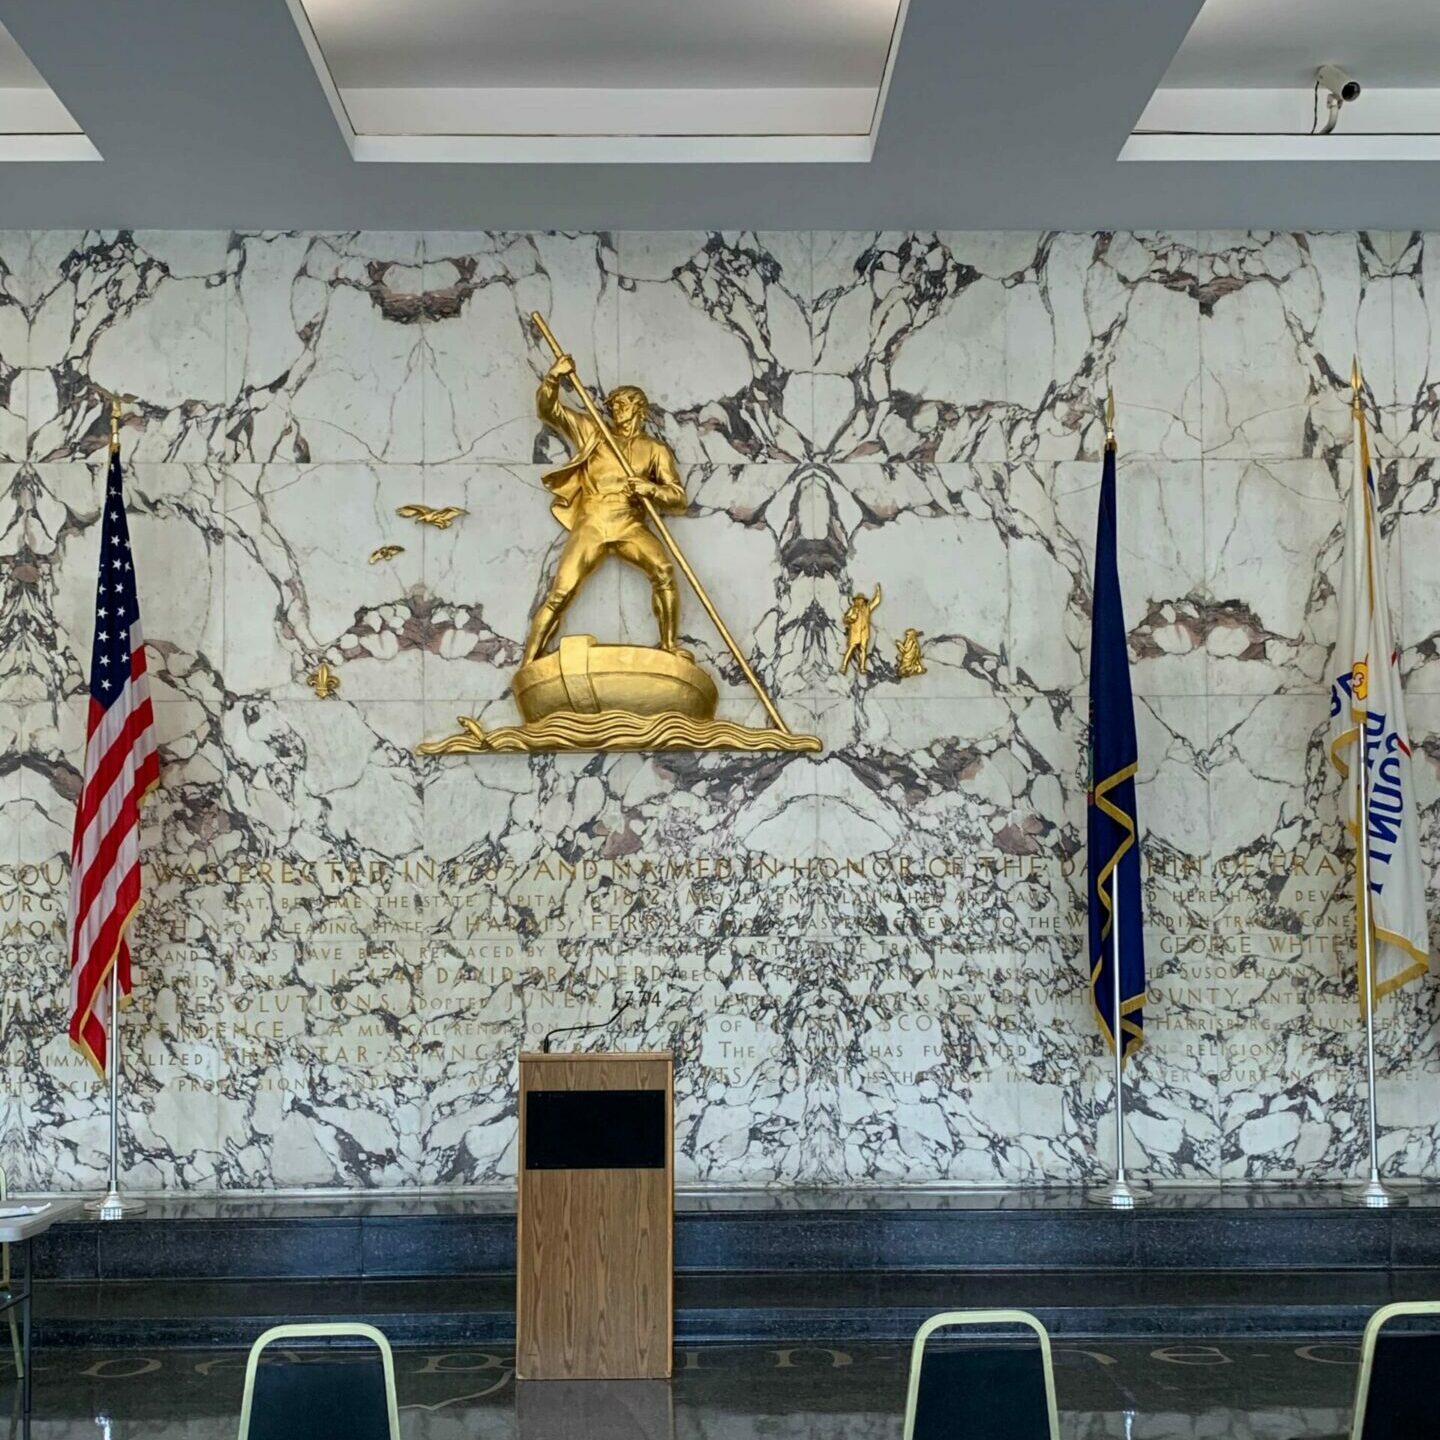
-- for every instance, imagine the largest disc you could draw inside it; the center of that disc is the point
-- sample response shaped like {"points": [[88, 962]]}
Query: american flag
{"points": [[121, 766]]}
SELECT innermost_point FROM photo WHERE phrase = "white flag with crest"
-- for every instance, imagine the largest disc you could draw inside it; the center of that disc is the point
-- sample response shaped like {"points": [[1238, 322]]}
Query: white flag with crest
{"points": [[1365, 697]]}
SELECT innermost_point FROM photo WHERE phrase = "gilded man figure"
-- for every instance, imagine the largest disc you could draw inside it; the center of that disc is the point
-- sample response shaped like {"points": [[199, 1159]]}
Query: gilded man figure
{"points": [[857, 631], [600, 505], [909, 659]]}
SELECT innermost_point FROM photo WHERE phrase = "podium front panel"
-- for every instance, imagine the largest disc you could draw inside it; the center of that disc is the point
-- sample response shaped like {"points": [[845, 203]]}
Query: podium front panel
{"points": [[595, 1218], [596, 1129]]}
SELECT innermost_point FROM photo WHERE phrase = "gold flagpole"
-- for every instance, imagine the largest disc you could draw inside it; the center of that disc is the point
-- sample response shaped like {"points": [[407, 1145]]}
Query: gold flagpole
{"points": [[662, 530], [1374, 1194]]}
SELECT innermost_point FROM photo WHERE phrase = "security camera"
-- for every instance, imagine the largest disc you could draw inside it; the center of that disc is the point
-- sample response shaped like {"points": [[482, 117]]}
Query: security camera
{"points": [[1338, 83]]}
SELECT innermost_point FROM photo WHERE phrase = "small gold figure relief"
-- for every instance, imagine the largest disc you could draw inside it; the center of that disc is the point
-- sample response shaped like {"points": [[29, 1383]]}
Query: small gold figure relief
{"points": [[857, 631], [323, 680], [575, 692], [426, 515], [908, 658], [386, 552]]}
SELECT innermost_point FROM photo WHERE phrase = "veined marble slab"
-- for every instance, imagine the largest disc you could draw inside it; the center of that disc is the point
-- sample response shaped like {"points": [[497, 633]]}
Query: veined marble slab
{"points": [[869, 961]]}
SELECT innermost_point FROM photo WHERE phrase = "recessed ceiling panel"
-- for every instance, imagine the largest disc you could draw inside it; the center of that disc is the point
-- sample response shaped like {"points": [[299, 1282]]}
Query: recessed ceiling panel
{"points": [[34, 124], [1243, 84], [604, 79], [1269, 44]]}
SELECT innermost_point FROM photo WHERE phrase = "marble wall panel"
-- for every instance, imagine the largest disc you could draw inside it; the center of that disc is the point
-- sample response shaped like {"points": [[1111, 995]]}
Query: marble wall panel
{"points": [[1419, 545], [320, 1088], [1092, 310], [300, 585], [139, 313], [1281, 318], [623, 847], [1290, 1081], [719, 327], [1415, 430], [942, 531], [477, 295], [1274, 541], [323, 358], [910, 343], [1161, 548], [871, 961], [14, 344]]}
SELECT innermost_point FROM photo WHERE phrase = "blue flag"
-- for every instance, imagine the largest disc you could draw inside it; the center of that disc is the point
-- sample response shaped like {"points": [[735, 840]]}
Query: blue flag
{"points": [[1114, 829]]}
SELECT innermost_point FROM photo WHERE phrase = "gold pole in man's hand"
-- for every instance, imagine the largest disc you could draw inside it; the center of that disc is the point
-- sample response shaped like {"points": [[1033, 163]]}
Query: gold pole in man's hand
{"points": [[653, 515]]}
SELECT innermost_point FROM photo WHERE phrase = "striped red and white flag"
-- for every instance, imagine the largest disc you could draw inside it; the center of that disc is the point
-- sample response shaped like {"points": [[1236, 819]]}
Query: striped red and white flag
{"points": [[121, 767]]}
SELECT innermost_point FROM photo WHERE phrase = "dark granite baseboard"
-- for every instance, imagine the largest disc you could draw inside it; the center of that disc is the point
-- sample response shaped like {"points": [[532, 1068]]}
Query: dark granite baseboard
{"points": [[480, 1310], [793, 1267], [369, 1237]]}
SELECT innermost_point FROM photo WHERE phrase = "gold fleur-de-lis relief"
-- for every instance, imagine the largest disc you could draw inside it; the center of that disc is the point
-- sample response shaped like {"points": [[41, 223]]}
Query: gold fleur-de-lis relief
{"points": [[428, 515], [385, 552], [323, 680]]}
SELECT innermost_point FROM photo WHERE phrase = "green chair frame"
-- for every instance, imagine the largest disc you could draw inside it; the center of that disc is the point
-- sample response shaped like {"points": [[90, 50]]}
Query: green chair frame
{"points": [[15, 1345], [1373, 1327], [958, 1319], [345, 1331]]}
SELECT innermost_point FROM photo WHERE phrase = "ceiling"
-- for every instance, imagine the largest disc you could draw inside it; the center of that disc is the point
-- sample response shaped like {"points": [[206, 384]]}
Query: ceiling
{"points": [[438, 81], [34, 124], [1241, 43], [521, 43], [999, 116], [16, 71]]}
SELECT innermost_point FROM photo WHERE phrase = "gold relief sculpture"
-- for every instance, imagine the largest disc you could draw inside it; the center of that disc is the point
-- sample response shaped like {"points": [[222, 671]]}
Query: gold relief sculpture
{"points": [[908, 657], [857, 631], [386, 552], [585, 695], [426, 515], [323, 680]]}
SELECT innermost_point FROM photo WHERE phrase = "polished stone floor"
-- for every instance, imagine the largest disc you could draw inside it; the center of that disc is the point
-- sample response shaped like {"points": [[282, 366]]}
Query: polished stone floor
{"points": [[1278, 1390]]}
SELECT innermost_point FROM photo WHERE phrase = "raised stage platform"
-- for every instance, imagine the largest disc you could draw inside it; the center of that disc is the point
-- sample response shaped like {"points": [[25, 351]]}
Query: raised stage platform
{"points": [[753, 1266]]}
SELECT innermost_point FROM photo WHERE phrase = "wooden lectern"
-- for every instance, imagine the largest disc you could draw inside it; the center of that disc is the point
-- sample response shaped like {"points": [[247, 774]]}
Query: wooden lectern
{"points": [[595, 1219]]}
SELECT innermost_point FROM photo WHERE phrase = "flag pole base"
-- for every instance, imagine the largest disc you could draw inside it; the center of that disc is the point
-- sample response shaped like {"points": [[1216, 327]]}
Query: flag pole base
{"points": [[1375, 1194], [1119, 1194], [113, 1206]]}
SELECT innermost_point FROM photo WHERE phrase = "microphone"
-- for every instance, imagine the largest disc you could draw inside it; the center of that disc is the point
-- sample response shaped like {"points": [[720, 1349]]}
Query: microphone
{"points": [[614, 1015]]}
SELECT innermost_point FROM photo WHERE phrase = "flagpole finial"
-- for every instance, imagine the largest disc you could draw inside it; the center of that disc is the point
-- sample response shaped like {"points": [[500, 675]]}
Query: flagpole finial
{"points": [[117, 402], [1110, 417]]}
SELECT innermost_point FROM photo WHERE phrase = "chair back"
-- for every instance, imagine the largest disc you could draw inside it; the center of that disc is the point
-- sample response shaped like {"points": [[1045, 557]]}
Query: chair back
{"points": [[1398, 1392], [320, 1392], [981, 1389]]}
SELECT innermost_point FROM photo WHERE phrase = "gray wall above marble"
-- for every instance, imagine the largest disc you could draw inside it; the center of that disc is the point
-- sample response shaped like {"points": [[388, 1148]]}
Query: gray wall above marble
{"points": [[998, 116]]}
